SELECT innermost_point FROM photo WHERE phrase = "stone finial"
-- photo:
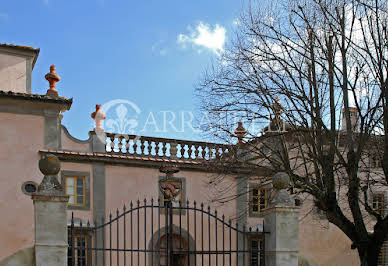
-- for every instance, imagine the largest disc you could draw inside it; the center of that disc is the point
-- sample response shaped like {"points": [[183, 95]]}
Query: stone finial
{"points": [[280, 182], [277, 107], [98, 116], [240, 132], [169, 170], [50, 166], [52, 78]]}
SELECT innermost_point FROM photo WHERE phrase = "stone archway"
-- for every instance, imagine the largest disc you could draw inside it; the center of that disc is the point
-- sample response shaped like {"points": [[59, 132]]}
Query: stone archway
{"points": [[182, 240]]}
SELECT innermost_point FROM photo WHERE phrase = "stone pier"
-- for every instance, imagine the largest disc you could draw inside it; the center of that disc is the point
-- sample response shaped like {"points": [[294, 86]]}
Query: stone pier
{"points": [[50, 205]]}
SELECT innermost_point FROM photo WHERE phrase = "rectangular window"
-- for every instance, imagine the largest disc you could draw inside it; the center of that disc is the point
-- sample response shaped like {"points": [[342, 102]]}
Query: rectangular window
{"points": [[257, 248], [378, 203], [260, 199], [80, 246], [375, 160], [178, 188], [75, 188]]}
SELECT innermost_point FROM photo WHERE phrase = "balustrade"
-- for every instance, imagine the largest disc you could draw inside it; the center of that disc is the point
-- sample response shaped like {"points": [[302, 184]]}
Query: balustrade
{"points": [[163, 147]]}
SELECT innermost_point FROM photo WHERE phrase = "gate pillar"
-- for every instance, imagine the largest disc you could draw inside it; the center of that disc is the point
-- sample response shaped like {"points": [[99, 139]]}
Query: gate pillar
{"points": [[281, 220], [50, 205]]}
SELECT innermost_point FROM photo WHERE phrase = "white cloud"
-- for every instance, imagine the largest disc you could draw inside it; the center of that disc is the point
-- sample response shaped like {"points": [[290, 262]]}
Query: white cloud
{"points": [[204, 36], [236, 22]]}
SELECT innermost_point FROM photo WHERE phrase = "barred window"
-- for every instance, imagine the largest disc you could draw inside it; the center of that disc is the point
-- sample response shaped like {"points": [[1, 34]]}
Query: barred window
{"points": [[80, 245], [259, 199], [378, 203], [257, 256], [383, 256]]}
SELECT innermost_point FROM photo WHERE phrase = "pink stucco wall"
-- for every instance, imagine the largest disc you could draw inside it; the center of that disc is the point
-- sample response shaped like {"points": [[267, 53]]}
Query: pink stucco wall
{"points": [[323, 242], [21, 136], [69, 143], [13, 73]]}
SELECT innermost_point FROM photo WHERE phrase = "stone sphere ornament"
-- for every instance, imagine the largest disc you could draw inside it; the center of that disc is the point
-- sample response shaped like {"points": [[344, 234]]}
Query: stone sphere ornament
{"points": [[280, 180], [49, 164]]}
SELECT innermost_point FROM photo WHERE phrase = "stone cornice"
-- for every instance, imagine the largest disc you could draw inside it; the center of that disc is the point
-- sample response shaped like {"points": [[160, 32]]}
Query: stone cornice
{"points": [[139, 161]]}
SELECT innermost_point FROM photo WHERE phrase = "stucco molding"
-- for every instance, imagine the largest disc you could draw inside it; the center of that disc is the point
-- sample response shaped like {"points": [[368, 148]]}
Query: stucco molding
{"points": [[182, 180], [64, 174], [28, 107]]}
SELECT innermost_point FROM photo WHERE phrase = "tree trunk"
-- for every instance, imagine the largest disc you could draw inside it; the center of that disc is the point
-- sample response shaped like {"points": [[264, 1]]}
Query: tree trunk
{"points": [[369, 254]]}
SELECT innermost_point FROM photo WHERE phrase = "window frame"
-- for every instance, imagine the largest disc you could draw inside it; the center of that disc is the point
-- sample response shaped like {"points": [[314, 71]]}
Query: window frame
{"points": [[261, 244], [267, 199], [86, 185], [88, 242], [381, 196]]}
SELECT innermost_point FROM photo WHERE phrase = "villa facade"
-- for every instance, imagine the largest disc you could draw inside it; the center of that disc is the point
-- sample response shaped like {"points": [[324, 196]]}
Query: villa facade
{"points": [[108, 171]]}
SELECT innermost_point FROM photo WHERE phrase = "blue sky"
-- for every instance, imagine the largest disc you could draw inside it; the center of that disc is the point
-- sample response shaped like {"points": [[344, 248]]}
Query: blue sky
{"points": [[151, 53]]}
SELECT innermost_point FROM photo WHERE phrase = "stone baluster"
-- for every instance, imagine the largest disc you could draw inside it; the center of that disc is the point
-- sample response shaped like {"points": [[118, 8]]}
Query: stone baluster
{"points": [[120, 143], [164, 148], [217, 151], [173, 150], [142, 146], [203, 153], [127, 144], [149, 147], [157, 143], [196, 151], [189, 150], [210, 152]]}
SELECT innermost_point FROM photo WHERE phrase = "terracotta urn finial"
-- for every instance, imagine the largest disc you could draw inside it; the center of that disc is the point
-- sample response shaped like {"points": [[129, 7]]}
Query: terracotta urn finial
{"points": [[52, 78], [98, 116], [240, 132]]}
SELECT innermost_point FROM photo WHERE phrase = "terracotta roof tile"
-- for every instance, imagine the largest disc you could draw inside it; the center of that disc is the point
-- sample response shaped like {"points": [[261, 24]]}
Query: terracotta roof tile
{"points": [[129, 157], [21, 47]]}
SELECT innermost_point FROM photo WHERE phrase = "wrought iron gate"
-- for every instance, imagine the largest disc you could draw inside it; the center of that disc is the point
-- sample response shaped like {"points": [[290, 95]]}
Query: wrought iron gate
{"points": [[164, 234]]}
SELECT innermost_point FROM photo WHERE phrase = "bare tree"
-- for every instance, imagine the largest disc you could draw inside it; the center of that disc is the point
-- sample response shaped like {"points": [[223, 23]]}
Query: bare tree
{"points": [[317, 71]]}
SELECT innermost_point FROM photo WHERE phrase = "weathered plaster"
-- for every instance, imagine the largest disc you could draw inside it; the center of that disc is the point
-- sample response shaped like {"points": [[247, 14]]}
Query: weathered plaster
{"points": [[23, 257], [50, 229], [52, 133], [99, 199]]}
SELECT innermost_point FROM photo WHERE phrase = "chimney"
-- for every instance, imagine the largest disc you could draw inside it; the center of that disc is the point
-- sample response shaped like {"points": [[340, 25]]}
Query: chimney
{"points": [[353, 118]]}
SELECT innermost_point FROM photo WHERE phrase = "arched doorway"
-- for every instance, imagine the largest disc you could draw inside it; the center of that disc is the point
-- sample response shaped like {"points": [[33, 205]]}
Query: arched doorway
{"points": [[179, 245], [181, 242]]}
